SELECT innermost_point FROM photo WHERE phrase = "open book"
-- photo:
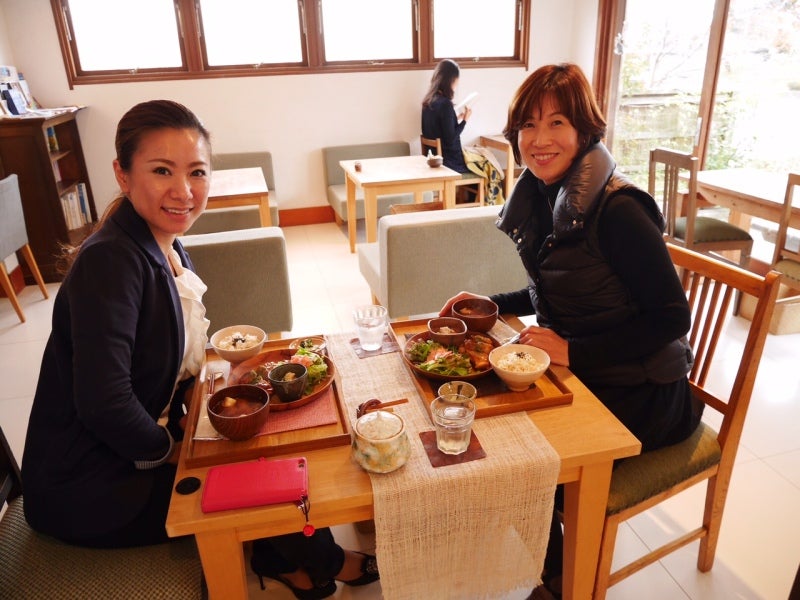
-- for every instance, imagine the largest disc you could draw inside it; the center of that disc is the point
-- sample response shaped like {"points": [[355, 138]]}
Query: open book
{"points": [[465, 102]]}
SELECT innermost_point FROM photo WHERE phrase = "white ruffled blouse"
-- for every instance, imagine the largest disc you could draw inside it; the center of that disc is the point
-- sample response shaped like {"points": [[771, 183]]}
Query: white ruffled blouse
{"points": [[191, 289]]}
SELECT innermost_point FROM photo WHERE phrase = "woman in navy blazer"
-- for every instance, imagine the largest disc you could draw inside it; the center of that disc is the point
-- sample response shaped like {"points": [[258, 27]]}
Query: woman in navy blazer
{"points": [[128, 336]]}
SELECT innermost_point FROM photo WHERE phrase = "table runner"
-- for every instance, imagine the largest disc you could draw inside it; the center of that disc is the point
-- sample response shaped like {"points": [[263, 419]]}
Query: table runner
{"points": [[473, 530]]}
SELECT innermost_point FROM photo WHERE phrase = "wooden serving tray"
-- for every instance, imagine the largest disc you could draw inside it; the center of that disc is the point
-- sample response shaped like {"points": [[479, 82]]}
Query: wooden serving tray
{"points": [[494, 398], [203, 453]]}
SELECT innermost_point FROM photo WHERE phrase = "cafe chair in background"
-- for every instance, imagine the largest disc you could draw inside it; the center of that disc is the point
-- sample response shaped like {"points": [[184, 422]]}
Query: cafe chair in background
{"points": [[476, 184], [244, 160], [247, 274], [686, 226], [786, 260], [33, 565], [642, 482], [14, 237]]}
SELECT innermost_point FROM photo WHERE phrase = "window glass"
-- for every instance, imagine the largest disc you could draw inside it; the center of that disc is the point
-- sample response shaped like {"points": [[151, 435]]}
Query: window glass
{"points": [[663, 48], [239, 32], [148, 40], [755, 122], [473, 28], [367, 30]]}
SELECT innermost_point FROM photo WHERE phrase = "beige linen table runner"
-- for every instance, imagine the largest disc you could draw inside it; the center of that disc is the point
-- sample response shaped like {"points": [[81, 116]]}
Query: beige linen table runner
{"points": [[473, 530]]}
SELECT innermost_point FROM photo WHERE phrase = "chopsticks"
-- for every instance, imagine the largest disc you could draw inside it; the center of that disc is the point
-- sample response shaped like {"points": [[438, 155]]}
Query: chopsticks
{"points": [[375, 404]]}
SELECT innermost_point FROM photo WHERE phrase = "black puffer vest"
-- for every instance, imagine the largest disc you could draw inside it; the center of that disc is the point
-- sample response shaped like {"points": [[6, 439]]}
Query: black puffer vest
{"points": [[573, 288]]}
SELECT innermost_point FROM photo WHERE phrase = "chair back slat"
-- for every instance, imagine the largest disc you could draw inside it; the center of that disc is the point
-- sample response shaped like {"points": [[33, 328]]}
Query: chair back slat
{"points": [[711, 286]]}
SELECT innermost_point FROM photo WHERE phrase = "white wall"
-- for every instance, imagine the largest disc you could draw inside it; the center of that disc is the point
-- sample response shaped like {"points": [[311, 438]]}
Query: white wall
{"points": [[292, 116]]}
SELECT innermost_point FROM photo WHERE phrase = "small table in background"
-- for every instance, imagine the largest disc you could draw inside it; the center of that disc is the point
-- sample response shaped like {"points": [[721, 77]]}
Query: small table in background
{"points": [[240, 187], [392, 175], [747, 193]]}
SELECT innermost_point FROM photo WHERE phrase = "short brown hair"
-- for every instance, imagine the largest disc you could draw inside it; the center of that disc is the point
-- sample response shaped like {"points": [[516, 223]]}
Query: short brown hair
{"points": [[567, 86]]}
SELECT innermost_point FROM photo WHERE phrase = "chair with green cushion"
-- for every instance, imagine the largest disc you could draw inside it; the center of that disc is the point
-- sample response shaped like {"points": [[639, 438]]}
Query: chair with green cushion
{"points": [[686, 225], [786, 260], [37, 567], [642, 482]]}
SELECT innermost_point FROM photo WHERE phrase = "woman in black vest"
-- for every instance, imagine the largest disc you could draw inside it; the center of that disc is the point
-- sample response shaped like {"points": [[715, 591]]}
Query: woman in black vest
{"points": [[607, 300]]}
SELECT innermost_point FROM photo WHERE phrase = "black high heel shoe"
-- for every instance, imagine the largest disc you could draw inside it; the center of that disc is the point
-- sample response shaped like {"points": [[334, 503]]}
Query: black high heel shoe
{"points": [[315, 593], [369, 571], [262, 569]]}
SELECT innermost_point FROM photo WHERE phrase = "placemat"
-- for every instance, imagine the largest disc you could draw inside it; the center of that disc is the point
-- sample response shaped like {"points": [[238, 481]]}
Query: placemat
{"points": [[439, 459], [427, 519], [388, 345], [321, 411]]}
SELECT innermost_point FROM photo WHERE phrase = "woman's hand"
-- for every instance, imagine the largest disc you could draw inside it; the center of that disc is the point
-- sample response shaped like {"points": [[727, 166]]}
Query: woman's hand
{"points": [[445, 312], [465, 115], [549, 341]]}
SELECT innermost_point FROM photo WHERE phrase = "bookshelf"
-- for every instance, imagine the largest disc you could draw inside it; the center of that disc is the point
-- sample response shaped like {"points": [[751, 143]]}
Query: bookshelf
{"points": [[46, 154]]}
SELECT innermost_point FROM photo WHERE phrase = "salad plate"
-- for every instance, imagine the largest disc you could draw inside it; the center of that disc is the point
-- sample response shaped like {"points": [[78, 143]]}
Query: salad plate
{"points": [[447, 368], [254, 371]]}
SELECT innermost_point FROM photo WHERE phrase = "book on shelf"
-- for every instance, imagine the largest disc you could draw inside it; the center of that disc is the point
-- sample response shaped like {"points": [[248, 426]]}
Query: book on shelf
{"points": [[72, 211], [52, 140], [83, 200]]}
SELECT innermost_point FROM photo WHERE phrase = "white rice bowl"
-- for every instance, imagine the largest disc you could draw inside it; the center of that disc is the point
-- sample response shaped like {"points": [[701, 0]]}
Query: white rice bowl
{"points": [[519, 365], [238, 342]]}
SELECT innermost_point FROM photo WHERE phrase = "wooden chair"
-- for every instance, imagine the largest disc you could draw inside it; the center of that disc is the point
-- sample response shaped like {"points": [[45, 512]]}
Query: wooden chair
{"points": [[476, 183], [33, 565], [685, 226], [785, 260], [14, 237], [642, 482]]}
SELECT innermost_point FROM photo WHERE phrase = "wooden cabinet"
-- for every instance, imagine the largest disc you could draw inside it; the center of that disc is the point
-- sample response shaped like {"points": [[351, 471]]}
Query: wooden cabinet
{"points": [[48, 178]]}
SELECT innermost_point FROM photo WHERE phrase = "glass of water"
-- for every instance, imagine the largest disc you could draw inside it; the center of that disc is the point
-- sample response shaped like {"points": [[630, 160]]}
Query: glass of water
{"points": [[452, 416], [370, 322]]}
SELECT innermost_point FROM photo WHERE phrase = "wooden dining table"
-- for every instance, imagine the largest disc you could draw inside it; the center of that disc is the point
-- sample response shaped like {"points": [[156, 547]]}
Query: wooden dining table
{"points": [[586, 436], [392, 175], [747, 193], [240, 187]]}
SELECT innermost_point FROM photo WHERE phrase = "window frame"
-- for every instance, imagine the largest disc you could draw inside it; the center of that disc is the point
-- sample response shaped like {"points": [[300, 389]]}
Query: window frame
{"points": [[195, 63], [611, 14]]}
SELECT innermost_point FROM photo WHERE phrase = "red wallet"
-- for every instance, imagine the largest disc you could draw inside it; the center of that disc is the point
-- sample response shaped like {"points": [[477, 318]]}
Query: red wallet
{"points": [[255, 483]]}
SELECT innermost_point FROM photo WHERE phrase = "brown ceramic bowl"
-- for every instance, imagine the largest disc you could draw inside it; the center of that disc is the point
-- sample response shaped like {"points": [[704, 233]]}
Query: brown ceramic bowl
{"points": [[479, 314], [448, 331], [243, 418], [288, 387], [435, 161]]}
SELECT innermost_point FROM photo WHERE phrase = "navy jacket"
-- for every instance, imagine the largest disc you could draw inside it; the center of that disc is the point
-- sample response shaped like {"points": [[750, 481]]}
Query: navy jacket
{"points": [[439, 120], [108, 371]]}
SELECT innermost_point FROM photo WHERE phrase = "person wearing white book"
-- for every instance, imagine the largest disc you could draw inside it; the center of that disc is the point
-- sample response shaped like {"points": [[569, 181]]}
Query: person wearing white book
{"points": [[440, 120]]}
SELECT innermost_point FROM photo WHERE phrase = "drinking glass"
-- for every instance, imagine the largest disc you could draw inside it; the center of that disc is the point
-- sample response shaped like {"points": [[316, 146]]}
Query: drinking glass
{"points": [[370, 322], [452, 416]]}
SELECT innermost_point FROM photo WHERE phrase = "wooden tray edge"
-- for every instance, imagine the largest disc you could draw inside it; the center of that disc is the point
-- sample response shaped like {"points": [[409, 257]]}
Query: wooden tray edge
{"points": [[339, 439]]}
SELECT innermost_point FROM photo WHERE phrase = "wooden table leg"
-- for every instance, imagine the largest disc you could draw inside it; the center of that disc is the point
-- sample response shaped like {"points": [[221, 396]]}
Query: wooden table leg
{"points": [[371, 214], [351, 211], [584, 514], [222, 555], [263, 210], [450, 194]]}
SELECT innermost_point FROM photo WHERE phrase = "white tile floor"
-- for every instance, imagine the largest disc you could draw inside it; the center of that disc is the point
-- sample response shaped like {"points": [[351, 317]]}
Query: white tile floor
{"points": [[759, 548]]}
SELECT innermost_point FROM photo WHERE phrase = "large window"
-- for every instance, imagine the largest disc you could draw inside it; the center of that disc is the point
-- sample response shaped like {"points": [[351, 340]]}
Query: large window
{"points": [[175, 39], [718, 78]]}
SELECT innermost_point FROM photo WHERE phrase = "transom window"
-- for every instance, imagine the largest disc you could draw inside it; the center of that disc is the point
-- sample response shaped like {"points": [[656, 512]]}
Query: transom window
{"points": [[187, 39]]}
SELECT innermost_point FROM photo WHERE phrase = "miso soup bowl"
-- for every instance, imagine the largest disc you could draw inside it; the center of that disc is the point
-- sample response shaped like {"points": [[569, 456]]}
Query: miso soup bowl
{"points": [[243, 427]]}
